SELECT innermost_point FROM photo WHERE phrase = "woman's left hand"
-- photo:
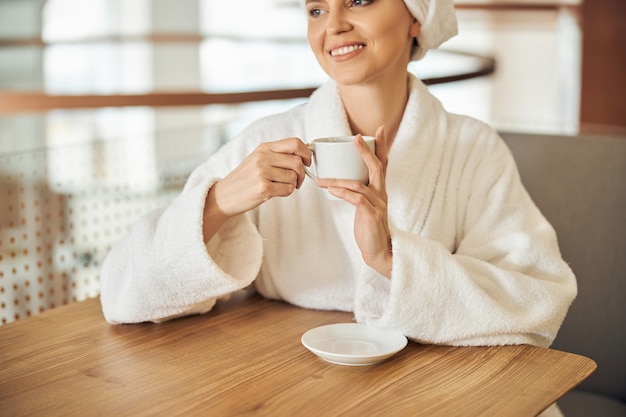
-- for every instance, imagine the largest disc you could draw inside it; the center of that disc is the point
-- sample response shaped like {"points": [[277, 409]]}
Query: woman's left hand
{"points": [[371, 226]]}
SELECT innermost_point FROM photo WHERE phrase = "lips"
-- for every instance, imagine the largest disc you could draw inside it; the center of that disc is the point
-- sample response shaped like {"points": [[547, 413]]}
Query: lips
{"points": [[344, 50]]}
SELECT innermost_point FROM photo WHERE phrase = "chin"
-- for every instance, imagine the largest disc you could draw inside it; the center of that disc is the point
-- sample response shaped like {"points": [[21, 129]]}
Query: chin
{"points": [[352, 81], [349, 77]]}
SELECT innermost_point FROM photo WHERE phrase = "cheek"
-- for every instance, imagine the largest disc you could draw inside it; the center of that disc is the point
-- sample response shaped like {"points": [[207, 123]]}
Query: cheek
{"points": [[389, 27], [393, 37], [316, 42]]}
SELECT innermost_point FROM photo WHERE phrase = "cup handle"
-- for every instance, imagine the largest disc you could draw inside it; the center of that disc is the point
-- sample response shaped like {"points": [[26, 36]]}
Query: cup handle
{"points": [[309, 173]]}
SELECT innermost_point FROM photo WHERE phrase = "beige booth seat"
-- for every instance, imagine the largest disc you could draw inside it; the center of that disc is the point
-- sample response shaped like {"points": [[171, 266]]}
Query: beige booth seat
{"points": [[580, 185]]}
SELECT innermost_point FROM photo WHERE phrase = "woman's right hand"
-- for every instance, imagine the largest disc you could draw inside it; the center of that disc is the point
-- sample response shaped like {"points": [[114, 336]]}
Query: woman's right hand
{"points": [[273, 169]]}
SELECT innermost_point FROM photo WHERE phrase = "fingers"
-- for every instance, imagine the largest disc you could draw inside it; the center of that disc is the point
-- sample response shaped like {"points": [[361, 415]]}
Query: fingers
{"points": [[382, 148], [284, 175], [348, 190], [273, 169], [292, 146], [376, 162], [289, 155]]}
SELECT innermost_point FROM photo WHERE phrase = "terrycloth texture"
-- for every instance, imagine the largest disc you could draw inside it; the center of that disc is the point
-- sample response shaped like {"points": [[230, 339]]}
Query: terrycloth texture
{"points": [[474, 262], [438, 20]]}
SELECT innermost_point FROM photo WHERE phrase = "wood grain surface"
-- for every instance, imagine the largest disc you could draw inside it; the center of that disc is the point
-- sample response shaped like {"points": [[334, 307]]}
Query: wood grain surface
{"points": [[245, 358]]}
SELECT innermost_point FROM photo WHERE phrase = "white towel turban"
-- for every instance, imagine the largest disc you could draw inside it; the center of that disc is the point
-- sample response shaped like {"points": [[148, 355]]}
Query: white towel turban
{"points": [[438, 20]]}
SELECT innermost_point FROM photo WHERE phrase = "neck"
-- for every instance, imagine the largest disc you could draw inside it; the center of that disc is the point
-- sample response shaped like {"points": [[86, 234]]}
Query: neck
{"points": [[373, 105]]}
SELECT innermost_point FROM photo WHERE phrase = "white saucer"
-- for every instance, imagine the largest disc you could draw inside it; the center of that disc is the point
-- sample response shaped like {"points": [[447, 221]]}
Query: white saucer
{"points": [[353, 344]]}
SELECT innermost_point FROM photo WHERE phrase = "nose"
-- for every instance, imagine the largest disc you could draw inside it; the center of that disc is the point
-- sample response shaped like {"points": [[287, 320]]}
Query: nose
{"points": [[337, 22]]}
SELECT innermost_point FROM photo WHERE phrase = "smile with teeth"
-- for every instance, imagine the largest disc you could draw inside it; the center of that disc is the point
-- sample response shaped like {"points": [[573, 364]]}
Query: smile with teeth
{"points": [[345, 50]]}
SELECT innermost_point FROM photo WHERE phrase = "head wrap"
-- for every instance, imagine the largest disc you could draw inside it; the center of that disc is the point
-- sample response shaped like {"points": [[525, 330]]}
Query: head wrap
{"points": [[438, 20]]}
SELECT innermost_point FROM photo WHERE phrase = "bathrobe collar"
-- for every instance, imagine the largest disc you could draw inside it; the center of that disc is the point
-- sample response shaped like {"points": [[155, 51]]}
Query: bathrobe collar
{"points": [[416, 152]]}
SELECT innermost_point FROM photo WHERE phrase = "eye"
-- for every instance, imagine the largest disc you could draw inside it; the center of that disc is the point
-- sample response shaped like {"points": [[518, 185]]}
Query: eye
{"points": [[315, 13], [356, 3], [315, 9]]}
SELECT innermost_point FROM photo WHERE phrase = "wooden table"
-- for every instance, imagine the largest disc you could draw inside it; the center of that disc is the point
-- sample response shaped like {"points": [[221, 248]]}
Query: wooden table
{"points": [[245, 358]]}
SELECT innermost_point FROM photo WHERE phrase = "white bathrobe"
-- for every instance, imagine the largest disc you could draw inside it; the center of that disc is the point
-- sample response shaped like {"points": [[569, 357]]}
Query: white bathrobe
{"points": [[474, 261]]}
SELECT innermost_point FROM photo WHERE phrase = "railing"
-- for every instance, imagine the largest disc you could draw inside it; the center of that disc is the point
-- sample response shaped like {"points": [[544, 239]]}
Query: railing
{"points": [[16, 102]]}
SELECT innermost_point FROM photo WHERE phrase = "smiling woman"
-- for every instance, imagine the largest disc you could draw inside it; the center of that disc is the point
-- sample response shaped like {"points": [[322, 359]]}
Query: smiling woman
{"points": [[441, 243], [131, 43]]}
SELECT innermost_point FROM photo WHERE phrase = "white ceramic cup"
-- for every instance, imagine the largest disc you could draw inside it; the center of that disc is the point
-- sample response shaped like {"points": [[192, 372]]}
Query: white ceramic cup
{"points": [[337, 157]]}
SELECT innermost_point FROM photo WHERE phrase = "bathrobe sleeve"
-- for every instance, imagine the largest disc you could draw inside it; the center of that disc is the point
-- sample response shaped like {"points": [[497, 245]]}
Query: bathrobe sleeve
{"points": [[500, 281], [162, 268]]}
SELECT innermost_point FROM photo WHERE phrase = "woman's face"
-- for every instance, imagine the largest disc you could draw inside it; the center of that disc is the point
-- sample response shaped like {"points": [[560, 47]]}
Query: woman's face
{"points": [[361, 41]]}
